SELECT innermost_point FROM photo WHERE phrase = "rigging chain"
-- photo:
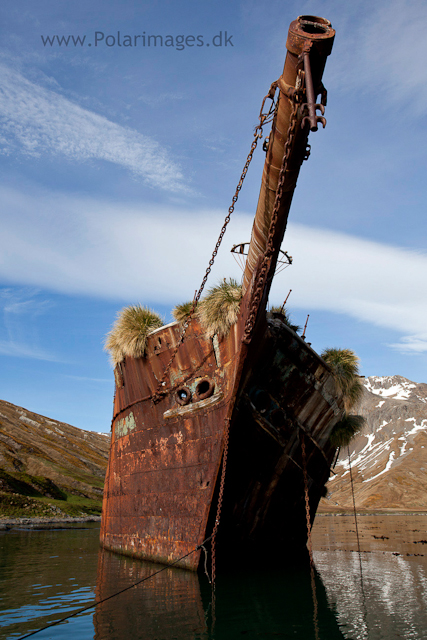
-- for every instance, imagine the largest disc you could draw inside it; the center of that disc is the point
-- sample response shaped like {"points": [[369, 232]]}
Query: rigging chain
{"points": [[309, 540], [307, 503], [274, 216], [264, 118], [220, 498]]}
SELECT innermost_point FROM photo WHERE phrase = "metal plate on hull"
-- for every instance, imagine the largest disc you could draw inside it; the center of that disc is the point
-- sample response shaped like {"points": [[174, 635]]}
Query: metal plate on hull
{"points": [[162, 473]]}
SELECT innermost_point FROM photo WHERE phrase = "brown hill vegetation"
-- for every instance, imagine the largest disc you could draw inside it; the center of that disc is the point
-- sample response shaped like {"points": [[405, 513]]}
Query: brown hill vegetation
{"points": [[48, 467]]}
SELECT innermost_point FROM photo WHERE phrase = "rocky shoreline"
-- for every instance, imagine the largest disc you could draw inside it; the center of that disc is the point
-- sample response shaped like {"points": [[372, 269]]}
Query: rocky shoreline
{"points": [[377, 512], [44, 523]]}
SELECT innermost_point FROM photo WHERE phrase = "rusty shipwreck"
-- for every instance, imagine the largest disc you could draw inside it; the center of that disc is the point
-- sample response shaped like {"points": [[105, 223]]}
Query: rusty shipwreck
{"points": [[258, 400]]}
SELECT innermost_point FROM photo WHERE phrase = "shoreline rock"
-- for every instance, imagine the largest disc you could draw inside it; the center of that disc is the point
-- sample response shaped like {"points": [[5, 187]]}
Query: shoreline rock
{"points": [[44, 523], [398, 512]]}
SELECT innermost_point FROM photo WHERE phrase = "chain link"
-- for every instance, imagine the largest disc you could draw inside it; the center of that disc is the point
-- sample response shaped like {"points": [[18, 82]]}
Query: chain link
{"points": [[274, 217], [307, 503], [264, 118], [309, 540], [220, 498]]}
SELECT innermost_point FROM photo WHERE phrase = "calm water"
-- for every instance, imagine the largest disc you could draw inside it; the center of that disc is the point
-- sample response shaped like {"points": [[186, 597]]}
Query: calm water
{"points": [[377, 595]]}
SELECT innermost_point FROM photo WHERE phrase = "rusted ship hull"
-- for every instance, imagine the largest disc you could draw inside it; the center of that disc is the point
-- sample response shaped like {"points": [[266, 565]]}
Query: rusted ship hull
{"points": [[288, 395], [261, 384], [165, 458]]}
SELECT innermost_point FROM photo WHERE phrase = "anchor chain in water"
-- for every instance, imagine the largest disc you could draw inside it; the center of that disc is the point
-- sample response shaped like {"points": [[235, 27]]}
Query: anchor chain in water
{"points": [[309, 541], [355, 522]]}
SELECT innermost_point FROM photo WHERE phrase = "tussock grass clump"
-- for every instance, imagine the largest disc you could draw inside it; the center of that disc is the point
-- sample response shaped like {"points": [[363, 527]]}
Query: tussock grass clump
{"points": [[220, 309], [182, 311], [344, 364], [345, 368], [345, 430], [128, 337], [286, 318]]}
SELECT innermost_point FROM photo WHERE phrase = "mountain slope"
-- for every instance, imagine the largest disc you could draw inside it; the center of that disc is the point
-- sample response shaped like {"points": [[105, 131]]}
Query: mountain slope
{"points": [[389, 457], [44, 459]]}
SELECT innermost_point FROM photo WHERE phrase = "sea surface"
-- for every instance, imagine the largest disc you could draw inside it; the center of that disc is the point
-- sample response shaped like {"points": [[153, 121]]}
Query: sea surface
{"points": [[377, 594]]}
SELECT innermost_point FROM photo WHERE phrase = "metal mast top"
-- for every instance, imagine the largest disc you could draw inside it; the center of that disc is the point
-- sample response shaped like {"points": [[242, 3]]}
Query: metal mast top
{"points": [[309, 42]]}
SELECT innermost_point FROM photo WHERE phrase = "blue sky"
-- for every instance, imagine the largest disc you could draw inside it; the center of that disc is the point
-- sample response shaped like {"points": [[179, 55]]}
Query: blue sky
{"points": [[118, 164]]}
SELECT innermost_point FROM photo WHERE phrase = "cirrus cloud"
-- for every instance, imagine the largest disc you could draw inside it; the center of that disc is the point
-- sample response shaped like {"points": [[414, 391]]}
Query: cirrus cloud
{"points": [[37, 121]]}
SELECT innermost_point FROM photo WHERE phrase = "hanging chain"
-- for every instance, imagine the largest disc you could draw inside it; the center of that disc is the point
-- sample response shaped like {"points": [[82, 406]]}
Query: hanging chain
{"points": [[264, 118], [354, 500], [220, 499], [274, 217], [309, 541], [355, 516], [307, 503]]}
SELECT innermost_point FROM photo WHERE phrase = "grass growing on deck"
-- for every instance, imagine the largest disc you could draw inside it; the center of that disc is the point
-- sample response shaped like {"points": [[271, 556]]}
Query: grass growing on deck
{"points": [[217, 311], [128, 337], [220, 309], [345, 430], [344, 364], [182, 311], [286, 317]]}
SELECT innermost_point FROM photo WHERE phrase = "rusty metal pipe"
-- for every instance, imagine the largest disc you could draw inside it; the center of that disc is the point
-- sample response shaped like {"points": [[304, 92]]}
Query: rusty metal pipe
{"points": [[318, 34], [311, 98]]}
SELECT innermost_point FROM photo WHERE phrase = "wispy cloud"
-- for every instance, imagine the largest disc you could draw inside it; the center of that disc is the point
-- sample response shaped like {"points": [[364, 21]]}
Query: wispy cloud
{"points": [[382, 38], [394, 48], [411, 345], [18, 311], [38, 121], [157, 254], [380, 48], [18, 350], [370, 281]]}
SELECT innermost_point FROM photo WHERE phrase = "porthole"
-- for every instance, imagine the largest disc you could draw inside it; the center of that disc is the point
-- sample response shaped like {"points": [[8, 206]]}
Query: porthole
{"points": [[204, 389], [183, 395]]}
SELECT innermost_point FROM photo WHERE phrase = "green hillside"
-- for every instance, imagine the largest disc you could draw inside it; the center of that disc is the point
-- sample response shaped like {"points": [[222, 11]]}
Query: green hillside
{"points": [[49, 468]]}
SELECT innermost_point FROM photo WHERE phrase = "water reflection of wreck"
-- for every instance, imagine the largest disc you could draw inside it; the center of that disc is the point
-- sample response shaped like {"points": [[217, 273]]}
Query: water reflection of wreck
{"points": [[177, 603], [261, 383], [168, 605]]}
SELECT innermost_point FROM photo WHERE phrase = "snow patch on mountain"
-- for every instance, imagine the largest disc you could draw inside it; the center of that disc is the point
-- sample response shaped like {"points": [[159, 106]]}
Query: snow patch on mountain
{"points": [[387, 467], [368, 457], [388, 458], [395, 387]]}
